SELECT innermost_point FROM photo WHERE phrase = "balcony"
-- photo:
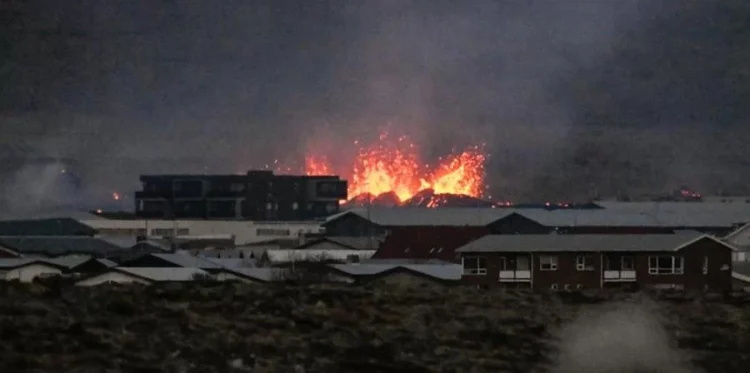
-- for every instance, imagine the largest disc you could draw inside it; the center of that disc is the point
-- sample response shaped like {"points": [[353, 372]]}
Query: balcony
{"points": [[515, 276], [615, 276]]}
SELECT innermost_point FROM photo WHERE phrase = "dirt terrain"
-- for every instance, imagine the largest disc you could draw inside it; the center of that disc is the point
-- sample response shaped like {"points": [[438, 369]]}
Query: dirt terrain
{"points": [[245, 328]]}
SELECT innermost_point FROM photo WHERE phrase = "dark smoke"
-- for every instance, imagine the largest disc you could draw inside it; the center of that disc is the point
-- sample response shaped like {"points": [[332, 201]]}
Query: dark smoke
{"points": [[631, 95]]}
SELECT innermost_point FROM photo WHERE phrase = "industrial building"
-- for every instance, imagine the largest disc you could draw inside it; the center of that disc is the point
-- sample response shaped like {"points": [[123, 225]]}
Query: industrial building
{"points": [[257, 195]]}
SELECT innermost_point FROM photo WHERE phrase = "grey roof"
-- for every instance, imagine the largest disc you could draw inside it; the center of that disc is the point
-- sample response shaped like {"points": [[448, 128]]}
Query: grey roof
{"points": [[21, 262], [450, 272], [188, 261], [60, 245], [634, 216], [229, 262], [578, 242], [418, 216], [261, 274], [69, 261], [402, 261], [123, 242], [163, 274]]}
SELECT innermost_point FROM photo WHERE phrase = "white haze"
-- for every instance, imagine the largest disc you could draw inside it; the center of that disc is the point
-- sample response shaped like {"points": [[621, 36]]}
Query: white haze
{"points": [[623, 337]]}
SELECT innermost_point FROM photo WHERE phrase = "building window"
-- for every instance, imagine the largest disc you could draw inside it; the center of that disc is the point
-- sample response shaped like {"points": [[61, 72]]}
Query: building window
{"points": [[585, 262], [705, 265], [627, 263], [237, 187], [548, 263], [272, 232], [665, 265], [474, 265], [523, 263], [503, 263]]}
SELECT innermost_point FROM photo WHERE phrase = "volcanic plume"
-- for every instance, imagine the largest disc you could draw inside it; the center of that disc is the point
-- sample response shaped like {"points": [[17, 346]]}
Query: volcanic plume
{"points": [[390, 172]]}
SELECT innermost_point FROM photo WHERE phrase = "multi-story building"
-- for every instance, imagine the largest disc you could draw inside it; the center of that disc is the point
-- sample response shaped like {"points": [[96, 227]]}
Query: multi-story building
{"points": [[688, 261], [257, 195]]}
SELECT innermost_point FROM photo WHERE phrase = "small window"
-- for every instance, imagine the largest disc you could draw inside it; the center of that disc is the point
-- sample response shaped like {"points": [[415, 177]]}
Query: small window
{"points": [[548, 263], [579, 286], [585, 262], [474, 265], [432, 250], [665, 265], [553, 287], [627, 263], [705, 265], [567, 286]]}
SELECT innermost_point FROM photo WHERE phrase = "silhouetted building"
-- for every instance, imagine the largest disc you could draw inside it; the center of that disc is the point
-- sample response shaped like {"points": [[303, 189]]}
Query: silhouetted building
{"points": [[258, 195]]}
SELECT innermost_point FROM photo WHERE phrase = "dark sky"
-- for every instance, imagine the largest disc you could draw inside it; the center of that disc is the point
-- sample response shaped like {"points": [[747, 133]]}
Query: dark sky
{"points": [[625, 94]]}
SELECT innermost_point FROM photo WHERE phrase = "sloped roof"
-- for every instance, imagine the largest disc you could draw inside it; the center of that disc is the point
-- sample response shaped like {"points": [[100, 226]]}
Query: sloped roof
{"points": [[13, 263], [449, 272], [45, 227], [418, 216], [162, 274], [578, 242], [633, 216], [260, 274], [353, 243], [187, 261], [60, 245]]}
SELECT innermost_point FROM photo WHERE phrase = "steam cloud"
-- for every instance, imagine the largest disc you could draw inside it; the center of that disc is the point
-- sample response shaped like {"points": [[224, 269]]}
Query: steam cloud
{"points": [[618, 338], [615, 93]]}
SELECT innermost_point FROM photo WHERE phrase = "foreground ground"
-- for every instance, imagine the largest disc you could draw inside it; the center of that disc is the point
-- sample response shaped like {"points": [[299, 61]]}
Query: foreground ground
{"points": [[244, 328]]}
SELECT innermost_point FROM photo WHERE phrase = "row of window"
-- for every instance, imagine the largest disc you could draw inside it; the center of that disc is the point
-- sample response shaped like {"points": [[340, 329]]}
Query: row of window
{"points": [[657, 265]]}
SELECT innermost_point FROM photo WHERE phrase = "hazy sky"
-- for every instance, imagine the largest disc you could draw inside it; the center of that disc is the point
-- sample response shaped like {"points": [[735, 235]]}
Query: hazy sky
{"points": [[130, 86]]}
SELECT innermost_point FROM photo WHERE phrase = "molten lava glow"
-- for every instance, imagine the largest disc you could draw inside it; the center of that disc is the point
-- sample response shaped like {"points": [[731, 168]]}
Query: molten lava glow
{"points": [[393, 166]]}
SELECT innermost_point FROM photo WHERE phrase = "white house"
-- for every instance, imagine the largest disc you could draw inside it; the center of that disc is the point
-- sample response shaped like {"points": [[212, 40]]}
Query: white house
{"points": [[740, 239], [143, 275], [26, 270]]}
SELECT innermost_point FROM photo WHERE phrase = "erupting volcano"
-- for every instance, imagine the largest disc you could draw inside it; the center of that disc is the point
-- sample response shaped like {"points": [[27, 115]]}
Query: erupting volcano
{"points": [[390, 172]]}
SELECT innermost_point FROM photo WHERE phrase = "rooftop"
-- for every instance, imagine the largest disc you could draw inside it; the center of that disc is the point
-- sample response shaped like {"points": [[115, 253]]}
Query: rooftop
{"points": [[579, 242], [60, 245]]}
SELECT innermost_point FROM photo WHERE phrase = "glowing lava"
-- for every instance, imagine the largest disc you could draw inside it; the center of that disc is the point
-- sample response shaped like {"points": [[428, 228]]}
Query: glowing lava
{"points": [[394, 166]]}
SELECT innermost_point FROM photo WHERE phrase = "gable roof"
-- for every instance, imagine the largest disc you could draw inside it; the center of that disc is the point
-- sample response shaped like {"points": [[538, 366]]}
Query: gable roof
{"points": [[351, 243], [13, 263], [162, 274], [581, 242], [675, 215], [180, 260], [257, 274], [447, 272], [45, 227], [418, 216], [60, 245]]}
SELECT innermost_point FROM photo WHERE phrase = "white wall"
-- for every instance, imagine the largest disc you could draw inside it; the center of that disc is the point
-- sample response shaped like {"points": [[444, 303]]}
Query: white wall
{"points": [[244, 231], [111, 276], [30, 272]]}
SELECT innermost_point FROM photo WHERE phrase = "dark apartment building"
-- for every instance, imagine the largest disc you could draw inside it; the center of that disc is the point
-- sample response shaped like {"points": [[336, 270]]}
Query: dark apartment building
{"points": [[257, 195]]}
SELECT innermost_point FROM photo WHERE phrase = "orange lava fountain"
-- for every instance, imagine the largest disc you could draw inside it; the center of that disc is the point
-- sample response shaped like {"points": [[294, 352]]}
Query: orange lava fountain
{"points": [[394, 166]]}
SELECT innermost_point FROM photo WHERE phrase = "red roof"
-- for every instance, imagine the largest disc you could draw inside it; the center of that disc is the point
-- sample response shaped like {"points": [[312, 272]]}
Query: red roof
{"points": [[427, 242]]}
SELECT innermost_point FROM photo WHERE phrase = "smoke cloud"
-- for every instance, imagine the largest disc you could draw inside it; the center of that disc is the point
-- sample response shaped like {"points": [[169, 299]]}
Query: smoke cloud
{"points": [[618, 338], [558, 91]]}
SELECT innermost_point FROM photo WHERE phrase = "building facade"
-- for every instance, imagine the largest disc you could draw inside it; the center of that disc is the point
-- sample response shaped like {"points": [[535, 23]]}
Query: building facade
{"points": [[576, 262], [257, 195]]}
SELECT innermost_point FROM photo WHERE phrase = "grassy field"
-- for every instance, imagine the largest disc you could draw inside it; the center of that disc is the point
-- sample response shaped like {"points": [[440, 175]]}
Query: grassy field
{"points": [[245, 328]]}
